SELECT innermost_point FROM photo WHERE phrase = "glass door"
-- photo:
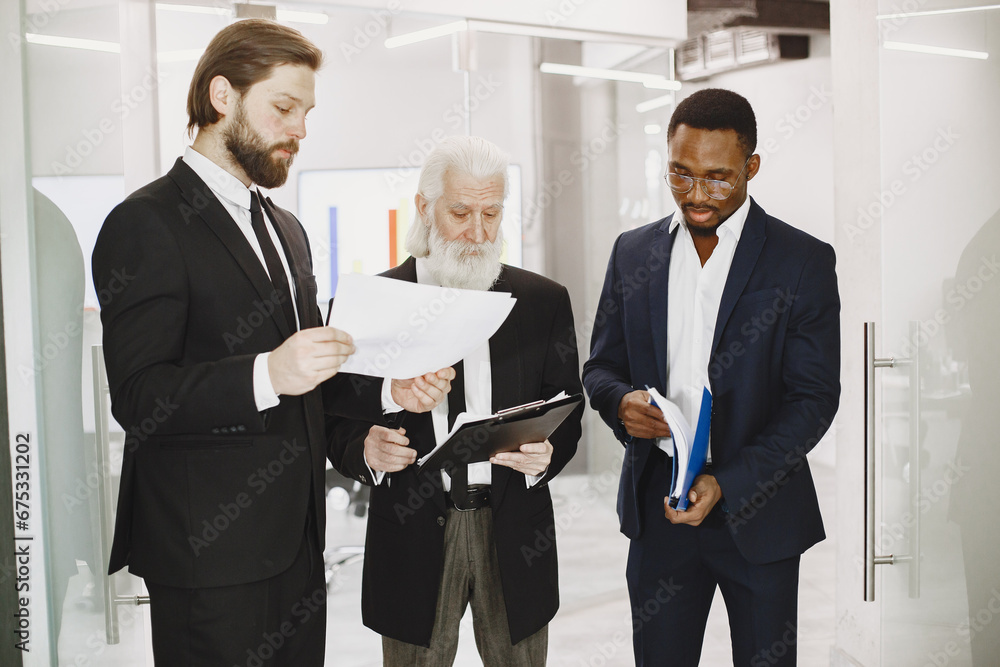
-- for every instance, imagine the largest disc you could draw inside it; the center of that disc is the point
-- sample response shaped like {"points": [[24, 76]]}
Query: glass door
{"points": [[77, 107], [937, 343]]}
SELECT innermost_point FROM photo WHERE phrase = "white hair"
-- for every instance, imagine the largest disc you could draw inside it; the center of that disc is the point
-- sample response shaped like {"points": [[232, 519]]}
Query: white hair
{"points": [[471, 156]]}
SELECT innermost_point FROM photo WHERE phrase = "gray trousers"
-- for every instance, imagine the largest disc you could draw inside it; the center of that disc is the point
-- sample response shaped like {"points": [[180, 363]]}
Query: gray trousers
{"points": [[471, 576]]}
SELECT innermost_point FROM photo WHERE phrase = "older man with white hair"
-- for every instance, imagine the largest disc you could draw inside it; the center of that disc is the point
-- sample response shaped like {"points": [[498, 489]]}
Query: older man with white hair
{"points": [[485, 535]]}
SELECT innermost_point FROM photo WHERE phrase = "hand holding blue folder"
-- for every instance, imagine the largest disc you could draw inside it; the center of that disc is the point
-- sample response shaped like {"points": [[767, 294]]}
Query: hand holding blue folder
{"points": [[690, 449]]}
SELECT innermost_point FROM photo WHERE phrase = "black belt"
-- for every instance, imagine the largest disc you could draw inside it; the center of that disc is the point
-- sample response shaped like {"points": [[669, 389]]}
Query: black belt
{"points": [[478, 497]]}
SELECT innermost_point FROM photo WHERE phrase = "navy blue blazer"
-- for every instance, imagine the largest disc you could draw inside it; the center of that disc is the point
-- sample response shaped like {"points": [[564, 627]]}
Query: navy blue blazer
{"points": [[774, 373]]}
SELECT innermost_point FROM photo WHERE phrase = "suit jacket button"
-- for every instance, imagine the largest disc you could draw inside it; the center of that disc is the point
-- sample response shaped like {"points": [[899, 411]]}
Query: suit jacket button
{"points": [[215, 431], [241, 428], [440, 520]]}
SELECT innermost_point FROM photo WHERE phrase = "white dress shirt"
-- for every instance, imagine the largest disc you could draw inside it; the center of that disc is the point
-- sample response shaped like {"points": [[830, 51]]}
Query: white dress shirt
{"points": [[235, 198], [478, 400], [693, 296]]}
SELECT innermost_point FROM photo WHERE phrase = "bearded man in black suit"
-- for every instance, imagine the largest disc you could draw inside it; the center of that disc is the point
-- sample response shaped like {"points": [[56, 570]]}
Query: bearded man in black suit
{"points": [[214, 350]]}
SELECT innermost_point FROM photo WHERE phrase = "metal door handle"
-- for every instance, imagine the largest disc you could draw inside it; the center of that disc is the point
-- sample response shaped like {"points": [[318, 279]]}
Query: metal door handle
{"points": [[870, 557], [102, 439]]}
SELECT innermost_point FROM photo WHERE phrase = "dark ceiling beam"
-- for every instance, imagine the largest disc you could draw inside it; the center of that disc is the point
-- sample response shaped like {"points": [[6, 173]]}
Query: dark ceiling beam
{"points": [[787, 15], [717, 5]]}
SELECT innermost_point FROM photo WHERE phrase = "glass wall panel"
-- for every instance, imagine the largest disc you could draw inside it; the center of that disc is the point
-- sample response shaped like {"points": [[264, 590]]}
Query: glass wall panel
{"points": [[76, 110], [941, 236]]}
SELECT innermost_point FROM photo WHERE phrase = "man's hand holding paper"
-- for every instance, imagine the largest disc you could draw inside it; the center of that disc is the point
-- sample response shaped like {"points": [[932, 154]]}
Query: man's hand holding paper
{"points": [[404, 330], [642, 419], [689, 448], [307, 358], [424, 392]]}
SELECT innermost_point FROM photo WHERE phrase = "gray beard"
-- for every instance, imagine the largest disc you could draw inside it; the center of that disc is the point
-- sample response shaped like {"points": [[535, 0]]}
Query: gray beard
{"points": [[452, 266]]}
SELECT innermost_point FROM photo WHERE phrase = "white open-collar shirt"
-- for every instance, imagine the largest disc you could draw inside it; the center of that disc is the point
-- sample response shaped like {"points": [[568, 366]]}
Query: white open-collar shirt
{"points": [[693, 296]]}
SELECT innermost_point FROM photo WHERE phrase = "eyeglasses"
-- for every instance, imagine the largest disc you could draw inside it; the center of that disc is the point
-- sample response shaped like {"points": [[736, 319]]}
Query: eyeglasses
{"points": [[715, 189]]}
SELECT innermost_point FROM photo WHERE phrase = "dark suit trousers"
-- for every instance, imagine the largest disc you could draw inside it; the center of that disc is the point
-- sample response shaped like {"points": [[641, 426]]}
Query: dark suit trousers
{"points": [[276, 622], [672, 574], [471, 576]]}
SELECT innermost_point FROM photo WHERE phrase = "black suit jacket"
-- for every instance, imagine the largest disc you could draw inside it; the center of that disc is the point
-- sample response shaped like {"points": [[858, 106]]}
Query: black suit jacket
{"points": [[213, 492], [774, 373], [533, 355]]}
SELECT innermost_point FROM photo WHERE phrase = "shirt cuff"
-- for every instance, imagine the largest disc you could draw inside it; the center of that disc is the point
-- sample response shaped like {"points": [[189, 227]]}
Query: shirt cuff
{"points": [[263, 390], [389, 406], [531, 480], [377, 475]]}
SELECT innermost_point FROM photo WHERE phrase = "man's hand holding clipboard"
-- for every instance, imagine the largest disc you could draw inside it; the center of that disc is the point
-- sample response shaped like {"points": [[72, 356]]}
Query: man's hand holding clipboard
{"points": [[499, 438]]}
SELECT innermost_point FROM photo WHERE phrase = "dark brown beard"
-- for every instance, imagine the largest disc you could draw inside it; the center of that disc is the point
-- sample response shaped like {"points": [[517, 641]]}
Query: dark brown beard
{"points": [[254, 156]]}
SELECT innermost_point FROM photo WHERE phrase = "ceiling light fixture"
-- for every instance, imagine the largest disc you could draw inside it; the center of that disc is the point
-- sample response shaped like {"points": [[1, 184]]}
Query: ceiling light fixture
{"points": [[935, 50], [73, 43], [315, 18], [292, 16], [936, 12], [194, 9], [428, 33], [657, 81]]}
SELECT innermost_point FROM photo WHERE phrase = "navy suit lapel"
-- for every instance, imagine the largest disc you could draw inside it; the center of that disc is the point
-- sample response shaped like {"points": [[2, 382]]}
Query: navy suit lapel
{"points": [[507, 380], [744, 260], [659, 269], [203, 203]]}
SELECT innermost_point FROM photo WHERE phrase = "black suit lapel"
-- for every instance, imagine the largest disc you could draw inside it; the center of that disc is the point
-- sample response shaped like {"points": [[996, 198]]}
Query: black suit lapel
{"points": [[744, 260], [420, 427], [507, 379], [406, 271], [293, 242], [202, 203], [658, 264]]}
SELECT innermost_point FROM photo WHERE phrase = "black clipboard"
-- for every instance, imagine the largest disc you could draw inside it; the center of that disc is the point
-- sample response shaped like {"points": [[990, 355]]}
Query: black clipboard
{"points": [[505, 431]]}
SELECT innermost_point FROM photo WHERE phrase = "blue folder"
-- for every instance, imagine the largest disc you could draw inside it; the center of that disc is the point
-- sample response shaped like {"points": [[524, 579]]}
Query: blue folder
{"points": [[696, 461]]}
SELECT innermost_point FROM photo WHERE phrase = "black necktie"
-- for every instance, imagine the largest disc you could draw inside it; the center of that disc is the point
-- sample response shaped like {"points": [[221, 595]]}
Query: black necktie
{"points": [[274, 267], [456, 397], [456, 405]]}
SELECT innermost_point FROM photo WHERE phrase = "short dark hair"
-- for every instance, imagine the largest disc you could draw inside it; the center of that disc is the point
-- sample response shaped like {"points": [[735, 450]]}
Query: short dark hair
{"points": [[245, 53], [717, 109]]}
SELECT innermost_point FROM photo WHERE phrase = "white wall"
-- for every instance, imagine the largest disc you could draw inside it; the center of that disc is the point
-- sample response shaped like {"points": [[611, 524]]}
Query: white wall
{"points": [[794, 107], [377, 107], [74, 96]]}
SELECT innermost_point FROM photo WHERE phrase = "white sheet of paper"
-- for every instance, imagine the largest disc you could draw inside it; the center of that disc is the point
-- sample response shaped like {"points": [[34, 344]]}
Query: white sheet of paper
{"points": [[681, 431], [403, 329]]}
